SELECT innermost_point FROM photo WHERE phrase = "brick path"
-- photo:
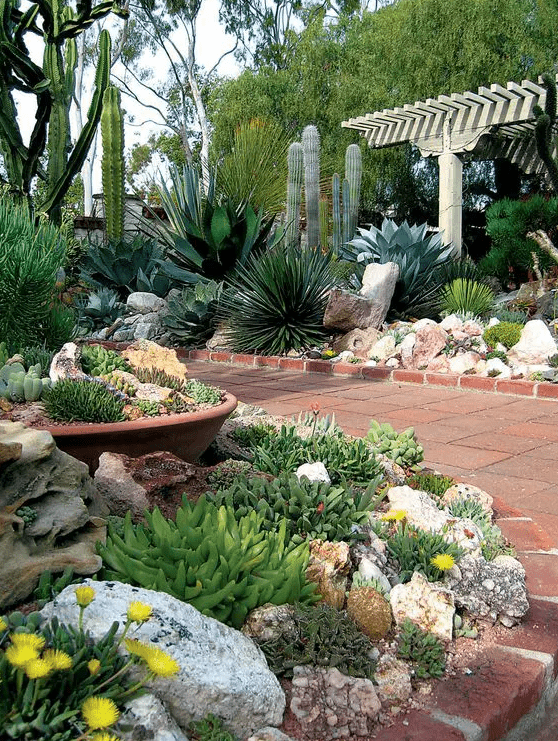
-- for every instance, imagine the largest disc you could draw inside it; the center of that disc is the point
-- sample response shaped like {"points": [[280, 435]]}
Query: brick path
{"points": [[507, 445]]}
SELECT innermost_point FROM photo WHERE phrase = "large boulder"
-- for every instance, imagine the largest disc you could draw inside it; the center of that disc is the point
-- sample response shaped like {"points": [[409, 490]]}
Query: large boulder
{"points": [[535, 345], [378, 284], [346, 311], [430, 340], [62, 518], [430, 606], [221, 671]]}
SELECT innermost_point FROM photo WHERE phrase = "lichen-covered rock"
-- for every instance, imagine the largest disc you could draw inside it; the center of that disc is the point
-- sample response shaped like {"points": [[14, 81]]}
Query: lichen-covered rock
{"points": [[146, 717], [393, 678], [146, 354], [313, 472], [221, 671], [468, 492], [370, 611], [328, 567], [66, 507], [330, 705], [494, 590], [430, 606], [269, 622]]}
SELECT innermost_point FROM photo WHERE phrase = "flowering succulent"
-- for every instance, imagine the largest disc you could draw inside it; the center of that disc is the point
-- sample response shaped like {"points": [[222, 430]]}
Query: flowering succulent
{"points": [[84, 595], [138, 612], [443, 561], [99, 712]]}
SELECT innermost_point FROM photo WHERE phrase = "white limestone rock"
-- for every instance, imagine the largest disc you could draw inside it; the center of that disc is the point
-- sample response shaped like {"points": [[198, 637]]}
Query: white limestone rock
{"points": [[393, 678], [313, 472], [221, 670], [369, 570], [383, 348], [67, 363], [535, 345], [470, 492], [496, 365], [463, 362], [405, 349], [149, 719], [430, 606], [452, 323], [378, 285]]}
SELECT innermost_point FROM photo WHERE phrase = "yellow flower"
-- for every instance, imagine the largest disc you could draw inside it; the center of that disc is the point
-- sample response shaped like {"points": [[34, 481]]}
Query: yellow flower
{"points": [[138, 612], [37, 668], [160, 663], [84, 596], [104, 737], [19, 656], [394, 514], [99, 712], [3, 625], [29, 640], [443, 561], [58, 659], [94, 665], [137, 648]]}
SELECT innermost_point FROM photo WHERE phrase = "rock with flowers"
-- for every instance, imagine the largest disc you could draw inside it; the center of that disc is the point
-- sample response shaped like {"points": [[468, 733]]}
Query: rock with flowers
{"points": [[49, 512], [219, 669]]}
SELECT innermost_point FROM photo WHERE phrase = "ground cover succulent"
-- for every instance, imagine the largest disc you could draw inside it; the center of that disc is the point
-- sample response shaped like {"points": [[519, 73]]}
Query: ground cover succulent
{"points": [[402, 448], [83, 401], [506, 333], [423, 649]]}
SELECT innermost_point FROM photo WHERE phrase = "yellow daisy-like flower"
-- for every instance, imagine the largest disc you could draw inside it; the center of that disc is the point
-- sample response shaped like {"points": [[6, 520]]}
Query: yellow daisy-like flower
{"points": [[443, 561], [58, 659], [3, 625], [94, 665], [99, 712], [37, 668], [28, 639], [160, 663], [104, 737], [394, 515], [138, 612], [137, 648], [19, 656], [84, 596]]}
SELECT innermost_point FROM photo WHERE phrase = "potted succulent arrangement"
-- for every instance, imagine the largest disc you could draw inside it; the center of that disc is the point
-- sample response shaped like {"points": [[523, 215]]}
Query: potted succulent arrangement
{"points": [[98, 400]]}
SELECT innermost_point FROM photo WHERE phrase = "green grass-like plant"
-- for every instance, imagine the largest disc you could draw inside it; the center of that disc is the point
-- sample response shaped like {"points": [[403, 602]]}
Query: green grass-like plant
{"points": [[433, 483], [425, 650], [313, 510], [506, 333], [82, 401], [464, 295], [414, 550], [209, 728], [324, 636], [276, 302]]}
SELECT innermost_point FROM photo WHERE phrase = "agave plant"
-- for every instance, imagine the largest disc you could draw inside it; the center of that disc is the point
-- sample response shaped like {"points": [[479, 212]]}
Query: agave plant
{"points": [[98, 308], [190, 319], [276, 302], [418, 257], [205, 238]]}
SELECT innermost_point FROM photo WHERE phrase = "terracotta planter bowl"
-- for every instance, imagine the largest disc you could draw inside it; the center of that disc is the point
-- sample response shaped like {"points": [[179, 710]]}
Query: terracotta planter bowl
{"points": [[185, 435]]}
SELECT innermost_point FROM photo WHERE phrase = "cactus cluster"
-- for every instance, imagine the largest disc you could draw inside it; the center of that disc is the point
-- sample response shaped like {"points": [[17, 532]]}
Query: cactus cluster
{"points": [[17, 384], [224, 567], [98, 362], [160, 378], [313, 510], [400, 447]]}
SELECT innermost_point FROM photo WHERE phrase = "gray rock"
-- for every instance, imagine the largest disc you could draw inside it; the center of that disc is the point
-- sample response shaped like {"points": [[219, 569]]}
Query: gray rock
{"points": [[491, 589], [313, 472], [143, 302], [115, 483], [36, 445], [149, 719], [378, 284], [221, 670], [268, 622], [346, 311], [269, 734], [357, 341]]}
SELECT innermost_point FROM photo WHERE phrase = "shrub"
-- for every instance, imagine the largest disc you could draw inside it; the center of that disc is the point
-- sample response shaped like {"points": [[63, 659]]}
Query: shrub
{"points": [[30, 258], [463, 296], [425, 650], [506, 333], [222, 566], [324, 636], [276, 302], [82, 401], [313, 510]]}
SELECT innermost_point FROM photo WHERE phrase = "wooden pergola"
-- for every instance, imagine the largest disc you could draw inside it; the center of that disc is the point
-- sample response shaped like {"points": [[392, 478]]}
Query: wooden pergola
{"points": [[493, 122]]}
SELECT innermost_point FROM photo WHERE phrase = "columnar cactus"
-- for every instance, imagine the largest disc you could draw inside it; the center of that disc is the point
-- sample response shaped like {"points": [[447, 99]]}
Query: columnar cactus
{"points": [[294, 190], [543, 129], [311, 152], [353, 175], [336, 193], [112, 132]]}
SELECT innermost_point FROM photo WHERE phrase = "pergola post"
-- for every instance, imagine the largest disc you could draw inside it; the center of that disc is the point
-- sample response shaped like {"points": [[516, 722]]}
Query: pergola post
{"points": [[451, 192]]}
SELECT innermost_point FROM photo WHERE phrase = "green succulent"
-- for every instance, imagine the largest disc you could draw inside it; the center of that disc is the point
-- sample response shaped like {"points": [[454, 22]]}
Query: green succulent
{"points": [[513, 316], [50, 585], [416, 255], [313, 510], [433, 483], [221, 565], [98, 308], [35, 355], [250, 436], [414, 550], [276, 302], [191, 315], [493, 542], [209, 728], [500, 354], [160, 378], [98, 362], [82, 401], [225, 474], [150, 408], [424, 649], [402, 447], [17, 384], [464, 295], [324, 636], [506, 333], [202, 393], [27, 514]]}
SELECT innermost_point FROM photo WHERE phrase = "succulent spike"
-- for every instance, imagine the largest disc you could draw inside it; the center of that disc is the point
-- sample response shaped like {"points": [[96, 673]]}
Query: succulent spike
{"points": [[112, 132], [353, 174], [294, 189], [311, 151]]}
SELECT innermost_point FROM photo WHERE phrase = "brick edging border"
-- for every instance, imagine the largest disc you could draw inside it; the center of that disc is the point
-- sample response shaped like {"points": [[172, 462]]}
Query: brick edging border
{"points": [[518, 387]]}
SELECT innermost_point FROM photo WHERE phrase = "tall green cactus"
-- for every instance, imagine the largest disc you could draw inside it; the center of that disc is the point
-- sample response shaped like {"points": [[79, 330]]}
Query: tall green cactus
{"points": [[53, 87], [544, 121], [353, 175], [112, 133], [294, 190], [311, 154], [336, 193]]}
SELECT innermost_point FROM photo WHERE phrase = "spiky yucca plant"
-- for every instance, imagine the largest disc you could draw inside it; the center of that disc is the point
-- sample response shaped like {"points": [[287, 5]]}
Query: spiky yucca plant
{"points": [[276, 302], [465, 296]]}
